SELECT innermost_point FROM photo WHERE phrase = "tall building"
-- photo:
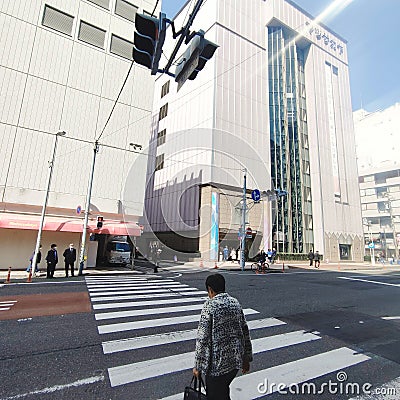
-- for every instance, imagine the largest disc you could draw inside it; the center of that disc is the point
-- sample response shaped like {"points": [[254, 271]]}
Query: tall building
{"points": [[378, 147], [380, 205], [62, 64], [377, 138], [274, 100]]}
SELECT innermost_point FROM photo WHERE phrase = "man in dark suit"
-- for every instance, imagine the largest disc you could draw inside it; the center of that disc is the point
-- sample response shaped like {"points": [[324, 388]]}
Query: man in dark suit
{"points": [[69, 259], [52, 260]]}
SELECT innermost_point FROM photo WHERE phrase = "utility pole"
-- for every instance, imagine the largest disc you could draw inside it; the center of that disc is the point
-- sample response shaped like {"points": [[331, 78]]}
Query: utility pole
{"points": [[243, 225], [87, 210], [392, 226], [39, 235]]}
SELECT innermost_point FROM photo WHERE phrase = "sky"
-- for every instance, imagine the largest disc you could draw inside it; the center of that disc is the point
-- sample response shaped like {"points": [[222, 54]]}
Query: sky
{"points": [[372, 29]]}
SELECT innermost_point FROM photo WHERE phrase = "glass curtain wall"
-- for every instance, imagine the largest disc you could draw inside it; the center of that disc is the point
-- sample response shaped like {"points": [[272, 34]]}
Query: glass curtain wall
{"points": [[292, 226]]}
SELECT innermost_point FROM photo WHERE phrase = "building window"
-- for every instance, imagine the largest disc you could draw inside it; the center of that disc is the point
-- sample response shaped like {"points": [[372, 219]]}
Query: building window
{"points": [[121, 47], [161, 137], [165, 89], [102, 3], [126, 10], [159, 162], [163, 112], [380, 191], [92, 34], [57, 20]]}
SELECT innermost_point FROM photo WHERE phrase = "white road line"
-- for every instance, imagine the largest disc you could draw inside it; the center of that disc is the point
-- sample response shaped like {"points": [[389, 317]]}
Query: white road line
{"points": [[148, 291], [148, 303], [4, 308], [165, 285], [152, 323], [120, 284], [369, 281], [147, 296], [295, 372], [390, 318], [130, 282], [148, 311], [8, 302], [124, 374], [57, 388], [115, 346]]}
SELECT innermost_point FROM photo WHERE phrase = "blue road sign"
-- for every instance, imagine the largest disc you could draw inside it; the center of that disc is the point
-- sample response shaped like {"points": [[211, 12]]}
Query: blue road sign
{"points": [[256, 195], [78, 210], [371, 245]]}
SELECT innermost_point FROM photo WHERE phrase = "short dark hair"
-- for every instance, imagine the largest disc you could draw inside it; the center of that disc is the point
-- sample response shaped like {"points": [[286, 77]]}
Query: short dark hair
{"points": [[53, 245], [216, 282]]}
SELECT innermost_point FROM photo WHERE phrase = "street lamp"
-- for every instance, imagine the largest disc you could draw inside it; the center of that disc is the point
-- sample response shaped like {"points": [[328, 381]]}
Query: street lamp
{"points": [[39, 235]]}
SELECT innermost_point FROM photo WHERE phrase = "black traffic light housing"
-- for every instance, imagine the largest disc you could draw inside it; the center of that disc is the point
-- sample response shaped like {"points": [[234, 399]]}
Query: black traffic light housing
{"points": [[194, 58], [148, 40], [100, 221]]}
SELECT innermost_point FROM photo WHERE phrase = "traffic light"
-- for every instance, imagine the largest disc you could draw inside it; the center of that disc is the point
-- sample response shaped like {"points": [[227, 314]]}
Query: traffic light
{"points": [[100, 221], [194, 59], [148, 40]]}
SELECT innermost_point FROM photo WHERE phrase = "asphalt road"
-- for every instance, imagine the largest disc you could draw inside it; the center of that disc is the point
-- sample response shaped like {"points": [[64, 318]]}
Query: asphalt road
{"points": [[131, 336]]}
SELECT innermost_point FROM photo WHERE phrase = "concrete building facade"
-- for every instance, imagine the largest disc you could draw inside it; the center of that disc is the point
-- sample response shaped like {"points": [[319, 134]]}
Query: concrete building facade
{"points": [[274, 100], [380, 205], [62, 64]]}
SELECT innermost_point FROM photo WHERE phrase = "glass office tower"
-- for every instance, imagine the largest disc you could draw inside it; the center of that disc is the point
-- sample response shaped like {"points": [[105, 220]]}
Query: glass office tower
{"points": [[292, 228]]}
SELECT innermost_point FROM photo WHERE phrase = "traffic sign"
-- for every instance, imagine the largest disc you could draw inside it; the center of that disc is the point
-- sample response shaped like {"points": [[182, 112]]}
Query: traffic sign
{"points": [[371, 245], [249, 233], [79, 210], [256, 195]]}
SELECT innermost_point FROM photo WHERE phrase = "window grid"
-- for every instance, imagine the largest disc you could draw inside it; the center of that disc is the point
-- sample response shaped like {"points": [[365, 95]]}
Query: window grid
{"points": [[159, 162]]}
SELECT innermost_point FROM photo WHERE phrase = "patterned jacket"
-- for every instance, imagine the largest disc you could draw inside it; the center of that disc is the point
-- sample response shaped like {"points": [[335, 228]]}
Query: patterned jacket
{"points": [[223, 339]]}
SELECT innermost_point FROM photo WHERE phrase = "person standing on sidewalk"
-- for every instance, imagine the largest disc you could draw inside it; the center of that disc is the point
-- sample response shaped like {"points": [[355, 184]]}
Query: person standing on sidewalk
{"points": [[317, 258], [223, 344], [52, 260], [69, 259], [38, 259], [311, 257]]}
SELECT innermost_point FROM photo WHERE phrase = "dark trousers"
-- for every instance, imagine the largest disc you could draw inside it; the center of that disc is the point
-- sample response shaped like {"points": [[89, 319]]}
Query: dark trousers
{"points": [[51, 267], [218, 386], [317, 263], [311, 262], [67, 265]]}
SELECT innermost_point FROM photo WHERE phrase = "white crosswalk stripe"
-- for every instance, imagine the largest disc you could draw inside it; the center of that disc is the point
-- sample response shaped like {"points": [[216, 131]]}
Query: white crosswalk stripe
{"points": [[153, 297], [6, 305]]}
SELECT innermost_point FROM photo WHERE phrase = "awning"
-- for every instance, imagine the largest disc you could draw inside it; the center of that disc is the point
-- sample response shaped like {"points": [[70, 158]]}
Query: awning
{"points": [[60, 224]]}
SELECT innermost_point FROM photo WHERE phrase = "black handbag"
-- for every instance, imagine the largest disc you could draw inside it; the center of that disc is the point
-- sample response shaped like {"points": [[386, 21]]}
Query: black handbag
{"points": [[193, 392]]}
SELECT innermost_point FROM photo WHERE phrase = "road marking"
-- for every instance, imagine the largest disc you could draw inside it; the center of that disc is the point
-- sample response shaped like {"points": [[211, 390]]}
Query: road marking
{"points": [[296, 372], [129, 373], [166, 285], [147, 296], [4, 308], [57, 388], [388, 391], [115, 346], [148, 303], [149, 311], [369, 281], [127, 282], [390, 318], [131, 291], [152, 323], [7, 302]]}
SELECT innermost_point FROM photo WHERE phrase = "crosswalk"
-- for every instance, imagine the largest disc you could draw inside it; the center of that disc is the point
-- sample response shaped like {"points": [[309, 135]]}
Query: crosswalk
{"points": [[6, 305], [150, 314]]}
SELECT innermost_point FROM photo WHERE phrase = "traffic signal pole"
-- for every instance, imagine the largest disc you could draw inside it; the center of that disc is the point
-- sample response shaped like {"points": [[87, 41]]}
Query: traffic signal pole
{"points": [[243, 225], [184, 34], [87, 210]]}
